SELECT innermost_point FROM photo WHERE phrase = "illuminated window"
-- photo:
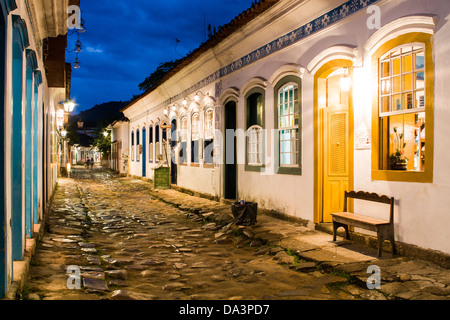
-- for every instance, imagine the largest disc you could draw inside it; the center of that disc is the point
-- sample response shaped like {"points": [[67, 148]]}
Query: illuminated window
{"points": [[150, 145], [288, 123], [209, 137], [254, 126], [183, 140], [195, 136], [403, 126], [402, 108], [132, 145]]}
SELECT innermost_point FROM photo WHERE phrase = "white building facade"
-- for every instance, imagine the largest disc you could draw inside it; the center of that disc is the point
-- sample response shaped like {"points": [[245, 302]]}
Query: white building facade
{"points": [[325, 97]]}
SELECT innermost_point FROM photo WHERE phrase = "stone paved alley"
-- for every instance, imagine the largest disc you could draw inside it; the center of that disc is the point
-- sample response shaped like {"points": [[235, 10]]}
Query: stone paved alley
{"points": [[132, 242]]}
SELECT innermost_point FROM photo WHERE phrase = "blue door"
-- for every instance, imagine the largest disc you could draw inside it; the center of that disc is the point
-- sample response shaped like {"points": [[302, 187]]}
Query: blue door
{"points": [[144, 153], [20, 42], [16, 155], [28, 153], [35, 151], [3, 224]]}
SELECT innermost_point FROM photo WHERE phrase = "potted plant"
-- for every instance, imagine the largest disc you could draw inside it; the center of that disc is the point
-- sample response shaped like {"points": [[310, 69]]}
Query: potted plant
{"points": [[397, 159]]}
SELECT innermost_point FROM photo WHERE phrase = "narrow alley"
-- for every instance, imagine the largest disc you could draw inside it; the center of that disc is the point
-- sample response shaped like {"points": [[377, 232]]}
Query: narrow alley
{"points": [[129, 245]]}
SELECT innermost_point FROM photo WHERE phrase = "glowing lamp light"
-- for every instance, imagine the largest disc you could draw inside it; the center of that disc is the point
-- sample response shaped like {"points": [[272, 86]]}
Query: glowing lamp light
{"points": [[197, 98], [64, 133], [105, 133], [346, 83], [69, 105]]}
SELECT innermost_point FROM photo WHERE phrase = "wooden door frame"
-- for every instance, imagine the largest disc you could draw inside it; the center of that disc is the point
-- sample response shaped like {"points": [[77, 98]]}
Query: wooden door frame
{"points": [[324, 72]]}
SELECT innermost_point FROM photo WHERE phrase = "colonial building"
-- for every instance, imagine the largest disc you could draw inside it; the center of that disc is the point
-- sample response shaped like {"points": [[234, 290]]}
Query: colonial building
{"points": [[119, 146], [294, 102], [34, 81]]}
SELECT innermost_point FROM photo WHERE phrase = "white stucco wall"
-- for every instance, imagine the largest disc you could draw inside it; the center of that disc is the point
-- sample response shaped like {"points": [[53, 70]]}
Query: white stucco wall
{"points": [[421, 215]]}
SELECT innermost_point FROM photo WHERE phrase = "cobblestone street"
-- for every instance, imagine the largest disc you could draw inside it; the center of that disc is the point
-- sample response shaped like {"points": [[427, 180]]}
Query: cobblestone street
{"points": [[130, 242], [129, 245]]}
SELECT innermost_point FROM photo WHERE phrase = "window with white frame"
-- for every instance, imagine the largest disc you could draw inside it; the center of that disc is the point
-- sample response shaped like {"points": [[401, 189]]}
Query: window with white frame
{"points": [[288, 125], [402, 108], [132, 145], [157, 142], [195, 137], [150, 145], [254, 127], [254, 146], [209, 136], [183, 139], [138, 149], [164, 141]]}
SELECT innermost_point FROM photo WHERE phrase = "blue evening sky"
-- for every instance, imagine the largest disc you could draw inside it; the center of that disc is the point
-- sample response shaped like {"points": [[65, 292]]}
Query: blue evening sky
{"points": [[126, 40]]}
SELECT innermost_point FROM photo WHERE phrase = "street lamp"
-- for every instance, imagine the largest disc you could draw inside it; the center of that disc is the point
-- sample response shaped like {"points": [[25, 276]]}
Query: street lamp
{"points": [[69, 105]]}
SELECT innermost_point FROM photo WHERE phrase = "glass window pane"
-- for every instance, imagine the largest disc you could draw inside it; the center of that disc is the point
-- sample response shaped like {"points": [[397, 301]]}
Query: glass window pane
{"points": [[397, 102], [408, 100], [407, 63], [408, 82], [420, 99], [385, 69], [419, 60], [396, 81], [385, 104], [386, 86], [420, 80], [396, 66]]}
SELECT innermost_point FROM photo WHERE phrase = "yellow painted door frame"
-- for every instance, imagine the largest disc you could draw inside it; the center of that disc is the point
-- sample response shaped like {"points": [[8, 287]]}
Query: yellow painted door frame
{"points": [[326, 70]]}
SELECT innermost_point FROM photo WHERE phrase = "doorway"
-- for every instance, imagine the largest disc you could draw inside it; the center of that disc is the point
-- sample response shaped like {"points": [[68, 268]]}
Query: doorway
{"points": [[144, 153], [230, 187], [334, 149]]}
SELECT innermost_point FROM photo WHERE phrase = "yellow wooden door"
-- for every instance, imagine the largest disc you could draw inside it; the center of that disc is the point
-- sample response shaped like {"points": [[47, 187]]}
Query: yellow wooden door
{"points": [[336, 151]]}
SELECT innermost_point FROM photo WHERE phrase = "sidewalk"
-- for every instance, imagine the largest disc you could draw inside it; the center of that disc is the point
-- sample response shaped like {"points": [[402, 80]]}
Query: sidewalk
{"points": [[308, 250]]}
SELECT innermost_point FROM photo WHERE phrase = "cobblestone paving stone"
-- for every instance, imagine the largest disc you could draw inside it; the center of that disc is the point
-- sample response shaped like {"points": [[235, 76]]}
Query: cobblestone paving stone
{"points": [[134, 243]]}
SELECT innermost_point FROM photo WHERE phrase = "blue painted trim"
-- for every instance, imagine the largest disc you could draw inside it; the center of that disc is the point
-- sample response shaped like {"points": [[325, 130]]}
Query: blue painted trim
{"points": [[37, 78], [31, 59], [20, 26], [144, 152], [28, 147], [8, 6], [17, 234], [35, 152]]}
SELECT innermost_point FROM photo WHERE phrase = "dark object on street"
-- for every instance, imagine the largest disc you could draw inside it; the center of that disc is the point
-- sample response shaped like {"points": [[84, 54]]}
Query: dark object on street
{"points": [[245, 214]]}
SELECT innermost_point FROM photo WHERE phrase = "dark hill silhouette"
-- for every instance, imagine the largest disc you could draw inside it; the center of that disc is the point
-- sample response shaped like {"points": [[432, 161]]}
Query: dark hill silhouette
{"points": [[102, 114]]}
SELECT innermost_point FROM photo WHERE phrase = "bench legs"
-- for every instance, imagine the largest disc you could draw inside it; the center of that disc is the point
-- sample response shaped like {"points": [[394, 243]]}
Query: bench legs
{"points": [[337, 225], [386, 233], [383, 233]]}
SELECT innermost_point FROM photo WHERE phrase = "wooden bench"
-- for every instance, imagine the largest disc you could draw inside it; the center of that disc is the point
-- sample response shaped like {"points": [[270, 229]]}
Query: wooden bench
{"points": [[383, 228]]}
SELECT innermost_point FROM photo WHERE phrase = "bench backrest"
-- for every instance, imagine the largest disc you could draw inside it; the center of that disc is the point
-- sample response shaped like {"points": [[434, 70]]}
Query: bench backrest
{"points": [[361, 195]]}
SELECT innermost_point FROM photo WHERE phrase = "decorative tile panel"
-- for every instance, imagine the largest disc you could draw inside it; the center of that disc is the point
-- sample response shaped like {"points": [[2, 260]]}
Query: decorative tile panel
{"points": [[318, 24]]}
